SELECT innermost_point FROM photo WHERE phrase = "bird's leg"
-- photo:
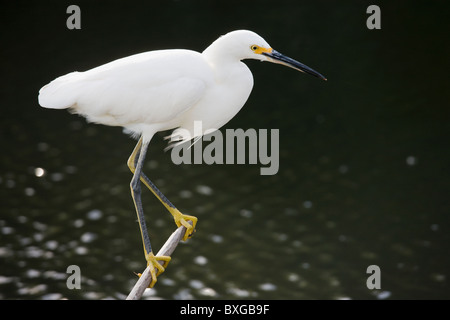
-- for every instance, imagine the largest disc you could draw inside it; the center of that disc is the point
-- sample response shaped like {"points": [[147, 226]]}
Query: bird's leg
{"points": [[180, 219], [152, 260]]}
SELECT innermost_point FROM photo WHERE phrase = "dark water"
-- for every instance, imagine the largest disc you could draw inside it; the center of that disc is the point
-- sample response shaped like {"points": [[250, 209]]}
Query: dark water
{"points": [[364, 158]]}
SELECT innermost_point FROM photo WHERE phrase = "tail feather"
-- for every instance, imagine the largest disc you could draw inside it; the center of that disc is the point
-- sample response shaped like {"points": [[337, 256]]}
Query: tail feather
{"points": [[58, 94]]}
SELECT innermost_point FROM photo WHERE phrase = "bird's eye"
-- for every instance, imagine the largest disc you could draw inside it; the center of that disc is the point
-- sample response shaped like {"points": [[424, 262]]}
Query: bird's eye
{"points": [[254, 47]]}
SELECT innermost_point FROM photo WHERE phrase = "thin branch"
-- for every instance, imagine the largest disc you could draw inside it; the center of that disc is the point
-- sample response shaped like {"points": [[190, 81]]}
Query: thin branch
{"points": [[166, 250]]}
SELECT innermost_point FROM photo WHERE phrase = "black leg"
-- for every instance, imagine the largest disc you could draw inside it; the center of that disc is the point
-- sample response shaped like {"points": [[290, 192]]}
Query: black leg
{"points": [[135, 185], [135, 161]]}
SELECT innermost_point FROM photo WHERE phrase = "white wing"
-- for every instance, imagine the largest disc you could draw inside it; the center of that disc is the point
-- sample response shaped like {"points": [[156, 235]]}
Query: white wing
{"points": [[151, 87]]}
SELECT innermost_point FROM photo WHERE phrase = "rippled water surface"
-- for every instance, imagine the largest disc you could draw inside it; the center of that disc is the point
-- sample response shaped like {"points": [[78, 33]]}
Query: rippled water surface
{"points": [[364, 158]]}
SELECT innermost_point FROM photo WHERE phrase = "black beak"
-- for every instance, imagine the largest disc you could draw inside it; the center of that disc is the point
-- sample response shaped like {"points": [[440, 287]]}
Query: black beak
{"points": [[277, 57]]}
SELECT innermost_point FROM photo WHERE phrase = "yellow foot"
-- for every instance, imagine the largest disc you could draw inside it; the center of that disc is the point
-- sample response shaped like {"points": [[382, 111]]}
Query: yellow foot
{"points": [[153, 263], [182, 220]]}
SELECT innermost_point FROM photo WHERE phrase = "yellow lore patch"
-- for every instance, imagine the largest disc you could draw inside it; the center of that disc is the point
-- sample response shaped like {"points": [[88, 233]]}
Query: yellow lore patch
{"points": [[259, 50]]}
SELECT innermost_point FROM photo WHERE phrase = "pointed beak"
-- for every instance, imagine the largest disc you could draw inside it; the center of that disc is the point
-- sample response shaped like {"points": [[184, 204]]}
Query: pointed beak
{"points": [[276, 57]]}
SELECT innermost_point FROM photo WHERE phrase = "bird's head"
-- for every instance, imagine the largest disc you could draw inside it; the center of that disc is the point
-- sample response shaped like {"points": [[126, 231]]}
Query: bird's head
{"points": [[244, 44]]}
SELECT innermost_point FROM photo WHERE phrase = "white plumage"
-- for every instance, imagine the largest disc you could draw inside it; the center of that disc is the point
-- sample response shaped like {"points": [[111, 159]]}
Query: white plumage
{"points": [[164, 89]]}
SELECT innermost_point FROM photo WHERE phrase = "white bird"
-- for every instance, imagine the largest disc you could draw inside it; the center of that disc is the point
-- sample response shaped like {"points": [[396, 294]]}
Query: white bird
{"points": [[161, 90]]}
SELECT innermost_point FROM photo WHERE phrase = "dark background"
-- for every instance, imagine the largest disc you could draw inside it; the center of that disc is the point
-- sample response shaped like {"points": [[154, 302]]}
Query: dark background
{"points": [[364, 157]]}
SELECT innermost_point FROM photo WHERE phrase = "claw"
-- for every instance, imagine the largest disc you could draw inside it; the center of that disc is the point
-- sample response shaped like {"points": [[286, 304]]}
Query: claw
{"points": [[152, 263], [182, 220]]}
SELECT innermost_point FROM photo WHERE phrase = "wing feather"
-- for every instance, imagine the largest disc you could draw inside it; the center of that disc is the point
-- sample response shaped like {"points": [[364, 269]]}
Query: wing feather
{"points": [[151, 87]]}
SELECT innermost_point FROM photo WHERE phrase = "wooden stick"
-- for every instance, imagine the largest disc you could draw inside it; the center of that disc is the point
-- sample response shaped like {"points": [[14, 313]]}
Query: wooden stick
{"points": [[166, 250]]}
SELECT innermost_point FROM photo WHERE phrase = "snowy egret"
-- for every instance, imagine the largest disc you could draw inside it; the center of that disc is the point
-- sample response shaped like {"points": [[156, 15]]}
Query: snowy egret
{"points": [[161, 90]]}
